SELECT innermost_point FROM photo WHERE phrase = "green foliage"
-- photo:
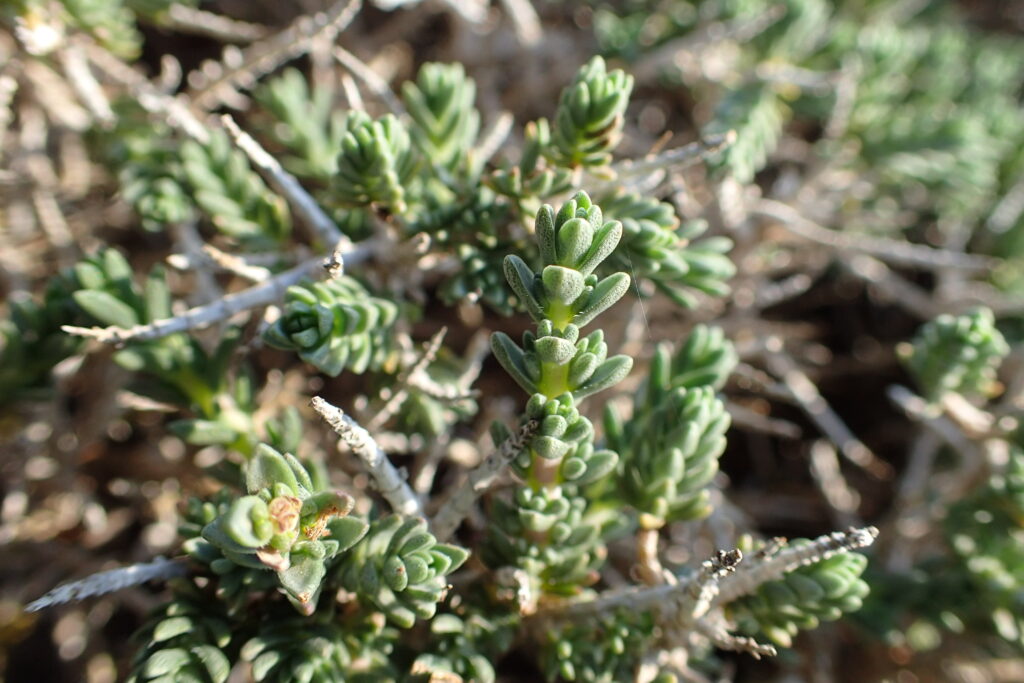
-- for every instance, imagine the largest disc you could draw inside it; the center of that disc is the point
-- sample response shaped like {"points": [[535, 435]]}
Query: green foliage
{"points": [[565, 296], [569, 652], [184, 640], [335, 324], [32, 343], [670, 445], [306, 123], [532, 179], [467, 645], [926, 112], [307, 650], [109, 21], [285, 524], [471, 229], [401, 569], [957, 354], [822, 591], [590, 117], [149, 168], [234, 196], [656, 247], [175, 369], [376, 163], [543, 528], [236, 585], [279, 539], [545, 531], [756, 114], [986, 533], [444, 121], [433, 408]]}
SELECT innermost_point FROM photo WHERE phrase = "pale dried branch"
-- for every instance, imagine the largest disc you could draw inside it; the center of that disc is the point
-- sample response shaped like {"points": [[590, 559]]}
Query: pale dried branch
{"points": [[690, 605], [175, 110], [817, 408], [675, 159], [202, 316], [841, 498], [111, 581], [723, 640], [764, 567], [909, 509], [220, 82], [236, 265], [492, 139], [769, 294], [8, 88], [746, 418], [898, 252], [455, 509], [51, 90], [285, 183], [390, 482], [82, 80], [524, 20], [676, 602], [185, 19], [377, 85], [894, 286], [685, 51], [401, 390], [931, 417], [648, 564]]}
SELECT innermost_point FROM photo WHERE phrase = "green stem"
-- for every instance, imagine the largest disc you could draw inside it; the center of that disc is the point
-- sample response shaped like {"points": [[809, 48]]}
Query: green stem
{"points": [[559, 314], [554, 379]]}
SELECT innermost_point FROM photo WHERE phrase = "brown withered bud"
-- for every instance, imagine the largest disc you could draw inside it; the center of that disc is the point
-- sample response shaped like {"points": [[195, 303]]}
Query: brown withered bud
{"points": [[284, 512]]}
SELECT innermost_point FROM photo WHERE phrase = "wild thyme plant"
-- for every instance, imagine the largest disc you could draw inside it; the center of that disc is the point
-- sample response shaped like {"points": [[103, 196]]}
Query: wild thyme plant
{"points": [[544, 529], [299, 569]]}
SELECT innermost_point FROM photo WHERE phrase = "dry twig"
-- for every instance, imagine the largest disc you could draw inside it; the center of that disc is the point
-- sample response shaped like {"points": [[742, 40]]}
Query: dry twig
{"points": [[390, 482], [455, 509]]}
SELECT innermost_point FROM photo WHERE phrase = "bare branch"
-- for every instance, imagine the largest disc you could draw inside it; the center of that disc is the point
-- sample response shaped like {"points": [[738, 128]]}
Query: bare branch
{"points": [[746, 418], [817, 408], [920, 410], [524, 19], [181, 17], [377, 85], [176, 111], [201, 316], [286, 184], [723, 640], [401, 392], [763, 568], [683, 52], [694, 602], [893, 286], [893, 251], [109, 581], [81, 79], [455, 509], [648, 564], [218, 82], [8, 88], [714, 576], [235, 265], [492, 139], [390, 482], [671, 160], [842, 499]]}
